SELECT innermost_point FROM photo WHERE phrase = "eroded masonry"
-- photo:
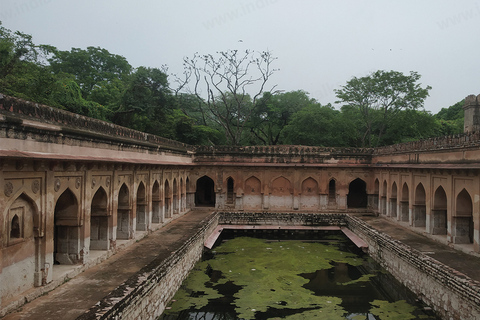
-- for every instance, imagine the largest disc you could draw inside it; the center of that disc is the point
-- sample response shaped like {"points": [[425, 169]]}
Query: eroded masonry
{"points": [[72, 187]]}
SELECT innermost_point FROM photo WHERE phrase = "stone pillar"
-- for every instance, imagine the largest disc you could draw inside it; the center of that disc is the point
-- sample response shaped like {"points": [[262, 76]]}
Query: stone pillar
{"points": [[472, 113]]}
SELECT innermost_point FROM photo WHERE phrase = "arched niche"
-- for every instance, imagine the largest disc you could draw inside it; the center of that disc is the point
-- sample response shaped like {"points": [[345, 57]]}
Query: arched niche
{"points": [[462, 228], [67, 235], [124, 214], [357, 194], [156, 203], [439, 212], [167, 199], [252, 199], [404, 204], [230, 190], [141, 212], [393, 200], [99, 221], [205, 192], [419, 207]]}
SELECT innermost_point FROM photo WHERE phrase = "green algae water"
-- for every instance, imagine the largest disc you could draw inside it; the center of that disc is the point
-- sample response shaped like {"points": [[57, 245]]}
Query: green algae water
{"points": [[250, 278]]}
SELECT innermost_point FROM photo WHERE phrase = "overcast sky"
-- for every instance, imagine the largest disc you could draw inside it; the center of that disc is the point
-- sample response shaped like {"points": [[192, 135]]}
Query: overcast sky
{"points": [[319, 44]]}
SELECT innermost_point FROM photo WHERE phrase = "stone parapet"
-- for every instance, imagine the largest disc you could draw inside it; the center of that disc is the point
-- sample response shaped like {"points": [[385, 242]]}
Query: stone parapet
{"points": [[15, 110], [282, 154], [459, 141]]}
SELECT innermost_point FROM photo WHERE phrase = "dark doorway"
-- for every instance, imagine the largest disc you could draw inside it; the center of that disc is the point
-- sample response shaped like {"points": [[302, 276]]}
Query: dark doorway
{"points": [[205, 193], [357, 194]]}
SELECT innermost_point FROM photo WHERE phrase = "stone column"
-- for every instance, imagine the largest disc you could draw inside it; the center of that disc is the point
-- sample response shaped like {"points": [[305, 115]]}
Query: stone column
{"points": [[472, 114]]}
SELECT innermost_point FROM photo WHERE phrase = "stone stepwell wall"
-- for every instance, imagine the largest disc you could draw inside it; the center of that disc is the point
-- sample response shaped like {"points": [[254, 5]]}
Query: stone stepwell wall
{"points": [[146, 294], [450, 293]]}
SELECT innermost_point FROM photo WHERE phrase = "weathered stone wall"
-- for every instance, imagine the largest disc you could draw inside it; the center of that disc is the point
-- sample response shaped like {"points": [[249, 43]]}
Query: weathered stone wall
{"points": [[450, 293], [145, 295], [282, 219]]}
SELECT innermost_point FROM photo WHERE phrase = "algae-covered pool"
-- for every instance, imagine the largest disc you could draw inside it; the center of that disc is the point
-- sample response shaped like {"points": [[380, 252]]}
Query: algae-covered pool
{"points": [[251, 278]]}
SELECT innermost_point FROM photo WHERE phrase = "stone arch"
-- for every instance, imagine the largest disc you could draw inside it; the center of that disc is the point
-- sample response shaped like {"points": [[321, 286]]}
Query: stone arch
{"points": [[404, 204], [175, 196], [281, 186], [439, 212], [67, 235], [124, 214], [462, 228], [230, 190], [281, 194], [357, 194], [383, 198], [141, 208], [100, 232], [166, 199], [253, 197], [419, 207], [205, 192], [376, 195], [332, 192], [309, 198], [156, 203], [21, 246], [182, 195], [190, 193], [393, 200]]}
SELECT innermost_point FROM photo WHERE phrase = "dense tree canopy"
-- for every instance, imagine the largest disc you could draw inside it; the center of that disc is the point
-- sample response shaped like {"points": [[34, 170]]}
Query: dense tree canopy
{"points": [[379, 97], [229, 102]]}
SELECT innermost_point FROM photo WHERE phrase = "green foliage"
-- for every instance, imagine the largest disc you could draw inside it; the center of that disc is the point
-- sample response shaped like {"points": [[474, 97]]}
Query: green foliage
{"points": [[451, 120], [379, 97], [317, 125], [90, 67], [273, 112]]}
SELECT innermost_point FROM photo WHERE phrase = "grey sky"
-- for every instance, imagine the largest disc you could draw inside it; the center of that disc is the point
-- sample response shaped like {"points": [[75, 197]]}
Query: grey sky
{"points": [[319, 44]]}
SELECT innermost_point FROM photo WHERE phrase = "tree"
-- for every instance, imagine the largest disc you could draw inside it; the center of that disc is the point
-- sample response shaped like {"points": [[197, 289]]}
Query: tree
{"points": [[146, 102], [317, 125], [90, 67], [273, 112], [451, 120], [229, 83], [378, 98]]}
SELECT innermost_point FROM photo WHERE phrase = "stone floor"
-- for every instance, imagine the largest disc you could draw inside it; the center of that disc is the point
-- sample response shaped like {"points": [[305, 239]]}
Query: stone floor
{"points": [[76, 296]]}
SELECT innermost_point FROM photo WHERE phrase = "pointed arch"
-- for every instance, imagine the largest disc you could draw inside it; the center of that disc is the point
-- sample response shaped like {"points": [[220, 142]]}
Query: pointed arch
{"points": [[230, 190], [393, 200], [281, 186], [182, 195], [167, 199], [253, 186], [383, 198], [439, 212], [175, 196], [124, 214], [405, 204], [141, 212], [376, 195], [156, 203], [253, 197], [281, 194], [419, 207], [462, 228], [309, 199], [99, 221], [67, 235], [357, 194], [310, 186], [21, 219], [332, 192], [205, 192]]}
